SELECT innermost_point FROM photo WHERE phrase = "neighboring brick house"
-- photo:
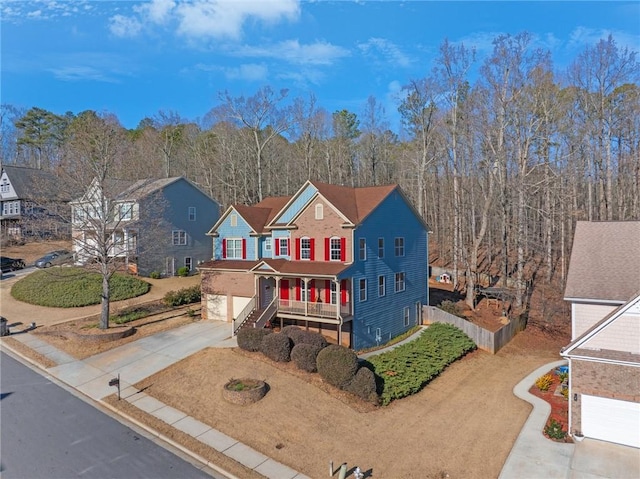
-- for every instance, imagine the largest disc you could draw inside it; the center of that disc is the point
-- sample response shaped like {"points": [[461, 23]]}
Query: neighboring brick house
{"points": [[348, 262], [603, 286], [155, 225], [33, 204]]}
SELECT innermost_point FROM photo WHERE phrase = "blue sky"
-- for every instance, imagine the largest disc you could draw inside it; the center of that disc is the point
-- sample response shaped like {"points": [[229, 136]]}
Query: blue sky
{"points": [[134, 59]]}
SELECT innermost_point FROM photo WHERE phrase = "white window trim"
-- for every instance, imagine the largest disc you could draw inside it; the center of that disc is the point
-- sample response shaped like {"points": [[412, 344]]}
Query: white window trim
{"points": [[267, 244], [284, 242], [406, 316], [332, 249], [306, 249], [228, 249], [403, 283], [362, 249], [182, 237], [396, 247], [382, 287], [192, 217], [362, 290], [319, 211]]}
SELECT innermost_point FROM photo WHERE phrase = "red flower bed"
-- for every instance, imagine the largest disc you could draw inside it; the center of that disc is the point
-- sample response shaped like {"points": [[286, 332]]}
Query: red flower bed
{"points": [[559, 405]]}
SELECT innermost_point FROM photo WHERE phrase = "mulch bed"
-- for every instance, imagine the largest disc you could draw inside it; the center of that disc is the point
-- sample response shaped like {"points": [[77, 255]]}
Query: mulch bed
{"points": [[559, 405]]}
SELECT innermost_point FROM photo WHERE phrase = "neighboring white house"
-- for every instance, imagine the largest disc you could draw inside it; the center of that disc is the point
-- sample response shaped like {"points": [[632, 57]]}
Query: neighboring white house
{"points": [[603, 286]]}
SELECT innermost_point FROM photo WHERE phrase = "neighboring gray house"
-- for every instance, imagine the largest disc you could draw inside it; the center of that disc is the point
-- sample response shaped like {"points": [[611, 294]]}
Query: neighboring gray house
{"points": [[603, 286], [153, 225], [32, 203]]}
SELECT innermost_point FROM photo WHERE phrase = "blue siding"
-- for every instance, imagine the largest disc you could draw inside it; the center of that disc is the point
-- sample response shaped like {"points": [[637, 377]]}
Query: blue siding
{"points": [[392, 218], [295, 207], [178, 196], [261, 247], [241, 230]]}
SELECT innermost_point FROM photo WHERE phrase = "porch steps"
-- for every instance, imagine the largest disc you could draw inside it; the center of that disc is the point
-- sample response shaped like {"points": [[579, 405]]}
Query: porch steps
{"points": [[251, 319]]}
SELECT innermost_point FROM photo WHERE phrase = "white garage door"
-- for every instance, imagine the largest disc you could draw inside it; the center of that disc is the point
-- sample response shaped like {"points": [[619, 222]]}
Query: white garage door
{"points": [[611, 420]]}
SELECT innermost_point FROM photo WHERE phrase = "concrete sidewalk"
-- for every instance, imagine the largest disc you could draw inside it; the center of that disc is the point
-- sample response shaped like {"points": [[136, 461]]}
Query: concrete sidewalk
{"points": [[140, 359], [534, 456]]}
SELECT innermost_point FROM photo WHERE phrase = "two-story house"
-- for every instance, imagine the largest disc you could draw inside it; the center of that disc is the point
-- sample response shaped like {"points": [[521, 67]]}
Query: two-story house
{"points": [[151, 225], [603, 287], [33, 203], [350, 263]]}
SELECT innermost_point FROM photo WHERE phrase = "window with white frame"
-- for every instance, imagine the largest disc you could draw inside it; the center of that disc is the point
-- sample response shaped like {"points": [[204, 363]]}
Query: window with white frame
{"points": [[233, 220], [334, 293], [125, 211], [192, 213], [319, 211], [304, 291], [284, 247], [335, 248], [78, 214], [382, 287], [179, 238], [363, 289], [234, 248], [399, 282], [407, 316], [362, 248], [11, 208], [380, 247], [399, 246], [188, 262], [305, 248], [267, 244]]}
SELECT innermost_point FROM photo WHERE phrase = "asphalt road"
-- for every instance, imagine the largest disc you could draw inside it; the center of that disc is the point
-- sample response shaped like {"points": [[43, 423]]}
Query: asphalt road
{"points": [[47, 432]]}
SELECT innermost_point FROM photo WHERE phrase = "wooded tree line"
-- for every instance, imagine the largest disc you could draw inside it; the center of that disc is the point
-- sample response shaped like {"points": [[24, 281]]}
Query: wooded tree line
{"points": [[500, 157]]}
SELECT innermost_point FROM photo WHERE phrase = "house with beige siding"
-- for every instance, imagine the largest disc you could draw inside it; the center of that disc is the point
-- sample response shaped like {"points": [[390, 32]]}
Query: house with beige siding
{"points": [[350, 263], [603, 287]]}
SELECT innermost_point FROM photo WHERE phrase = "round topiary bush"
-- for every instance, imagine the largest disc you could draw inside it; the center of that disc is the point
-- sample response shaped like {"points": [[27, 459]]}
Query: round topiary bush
{"points": [[305, 355], [363, 385], [310, 337], [337, 365], [250, 339], [277, 347], [287, 330]]}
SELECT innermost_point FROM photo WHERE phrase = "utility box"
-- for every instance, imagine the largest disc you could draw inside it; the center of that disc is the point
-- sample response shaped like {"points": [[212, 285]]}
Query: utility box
{"points": [[4, 329]]}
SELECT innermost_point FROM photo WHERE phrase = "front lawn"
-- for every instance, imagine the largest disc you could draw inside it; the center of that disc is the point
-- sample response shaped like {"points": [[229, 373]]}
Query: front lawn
{"points": [[74, 287]]}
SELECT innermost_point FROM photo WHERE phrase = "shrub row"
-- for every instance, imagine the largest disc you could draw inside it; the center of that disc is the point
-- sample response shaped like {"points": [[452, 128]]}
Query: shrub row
{"points": [[408, 368], [183, 296], [310, 352]]}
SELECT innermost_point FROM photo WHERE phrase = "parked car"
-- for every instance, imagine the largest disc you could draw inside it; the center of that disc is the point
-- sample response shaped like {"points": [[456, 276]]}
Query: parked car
{"points": [[11, 264], [55, 258]]}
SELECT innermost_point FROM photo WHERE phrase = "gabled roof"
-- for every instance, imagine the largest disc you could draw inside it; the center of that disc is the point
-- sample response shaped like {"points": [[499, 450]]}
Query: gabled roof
{"points": [[143, 188], [577, 348], [605, 261], [35, 184], [354, 203]]}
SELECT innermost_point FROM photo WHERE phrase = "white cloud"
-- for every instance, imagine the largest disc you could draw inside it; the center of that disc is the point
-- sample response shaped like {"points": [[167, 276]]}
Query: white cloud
{"points": [[249, 71], [582, 36], [319, 53], [81, 73], [157, 11], [389, 51], [122, 26]]}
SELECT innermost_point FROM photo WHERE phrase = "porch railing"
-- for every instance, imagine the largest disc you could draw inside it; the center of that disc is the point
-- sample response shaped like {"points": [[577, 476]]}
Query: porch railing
{"points": [[267, 314], [306, 308], [243, 315]]}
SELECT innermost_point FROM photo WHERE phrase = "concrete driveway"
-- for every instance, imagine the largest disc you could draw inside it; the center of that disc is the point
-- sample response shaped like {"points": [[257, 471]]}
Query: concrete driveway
{"points": [[594, 459]]}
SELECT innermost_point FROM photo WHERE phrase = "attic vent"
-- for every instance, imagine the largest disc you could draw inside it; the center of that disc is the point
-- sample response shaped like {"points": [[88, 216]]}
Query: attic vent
{"points": [[319, 211], [234, 221]]}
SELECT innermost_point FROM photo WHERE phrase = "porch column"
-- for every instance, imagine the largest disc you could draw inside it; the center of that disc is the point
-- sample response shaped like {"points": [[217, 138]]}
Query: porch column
{"points": [[306, 299], [338, 298], [340, 333]]}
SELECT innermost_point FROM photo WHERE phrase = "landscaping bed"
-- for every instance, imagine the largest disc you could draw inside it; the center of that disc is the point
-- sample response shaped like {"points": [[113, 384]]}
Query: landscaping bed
{"points": [[559, 408]]}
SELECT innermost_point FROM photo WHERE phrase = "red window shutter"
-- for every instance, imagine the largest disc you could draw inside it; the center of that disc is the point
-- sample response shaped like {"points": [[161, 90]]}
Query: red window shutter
{"points": [[244, 248], [284, 289], [312, 285], [297, 248], [312, 247], [343, 249], [327, 249], [298, 289], [277, 240], [327, 291], [224, 248], [289, 247], [343, 291]]}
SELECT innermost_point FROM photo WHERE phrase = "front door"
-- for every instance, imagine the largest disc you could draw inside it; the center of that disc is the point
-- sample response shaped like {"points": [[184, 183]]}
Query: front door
{"points": [[267, 285]]}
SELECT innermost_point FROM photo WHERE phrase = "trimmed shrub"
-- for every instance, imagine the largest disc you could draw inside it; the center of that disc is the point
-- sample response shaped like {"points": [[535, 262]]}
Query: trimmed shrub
{"points": [[305, 355], [277, 347], [309, 337], [363, 385], [183, 296], [544, 382], [250, 339], [183, 271], [337, 365], [154, 275], [288, 329]]}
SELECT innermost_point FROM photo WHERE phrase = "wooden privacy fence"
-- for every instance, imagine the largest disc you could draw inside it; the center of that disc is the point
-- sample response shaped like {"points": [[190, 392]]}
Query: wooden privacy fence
{"points": [[484, 339]]}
